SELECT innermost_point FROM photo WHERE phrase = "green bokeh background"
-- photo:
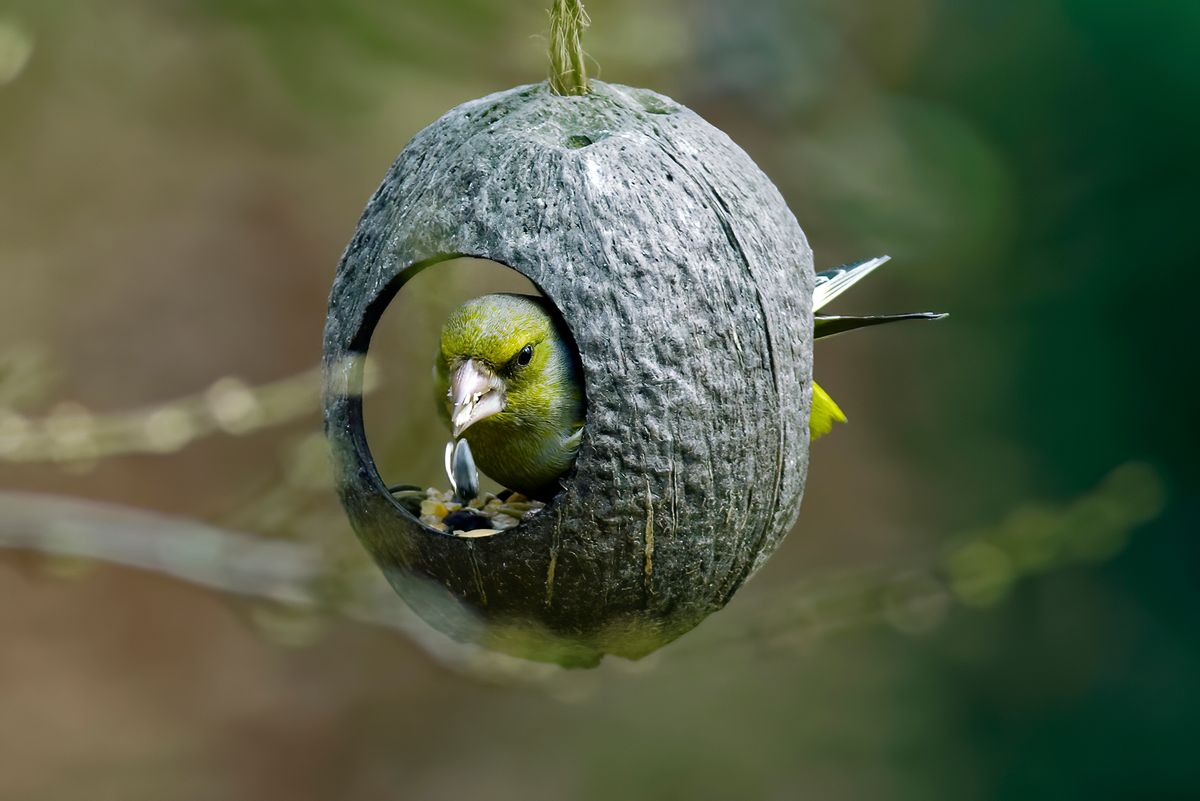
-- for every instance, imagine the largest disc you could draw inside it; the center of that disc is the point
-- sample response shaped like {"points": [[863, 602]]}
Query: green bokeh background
{"points": [[177, 180]]}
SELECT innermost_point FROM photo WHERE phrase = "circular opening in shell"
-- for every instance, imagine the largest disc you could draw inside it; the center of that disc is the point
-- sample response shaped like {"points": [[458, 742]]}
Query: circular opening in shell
{"points": [[478, 397]]}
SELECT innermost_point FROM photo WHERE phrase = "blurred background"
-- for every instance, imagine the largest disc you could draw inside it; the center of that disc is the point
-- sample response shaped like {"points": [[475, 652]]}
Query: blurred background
{"points": [[993, 590]]}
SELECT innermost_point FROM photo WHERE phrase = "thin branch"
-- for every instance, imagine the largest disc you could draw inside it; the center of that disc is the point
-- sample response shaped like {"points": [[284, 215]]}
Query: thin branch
{"points": [[72, 433], [232, 562], [974, 570]]}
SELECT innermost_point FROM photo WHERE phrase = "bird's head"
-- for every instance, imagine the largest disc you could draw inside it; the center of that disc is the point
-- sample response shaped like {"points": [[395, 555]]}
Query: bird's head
{"points": [[503, 360]]}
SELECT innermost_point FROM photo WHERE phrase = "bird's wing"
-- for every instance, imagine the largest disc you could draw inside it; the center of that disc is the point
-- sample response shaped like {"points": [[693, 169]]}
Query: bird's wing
{"points": [[827, 325], [831, 283]]}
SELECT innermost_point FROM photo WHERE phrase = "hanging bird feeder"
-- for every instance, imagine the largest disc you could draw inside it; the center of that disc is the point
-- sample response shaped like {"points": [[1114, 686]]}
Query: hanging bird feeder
{"points": [[686, 283]]}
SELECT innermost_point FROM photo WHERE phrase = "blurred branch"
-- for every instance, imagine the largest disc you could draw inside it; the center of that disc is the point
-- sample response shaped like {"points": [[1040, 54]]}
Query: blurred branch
{"points": [[977, 569], [72, 433], [297, 576], [227, 561]]}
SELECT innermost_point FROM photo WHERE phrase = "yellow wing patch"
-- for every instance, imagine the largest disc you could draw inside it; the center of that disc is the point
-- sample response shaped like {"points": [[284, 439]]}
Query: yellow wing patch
{"points": [[824, 413]]}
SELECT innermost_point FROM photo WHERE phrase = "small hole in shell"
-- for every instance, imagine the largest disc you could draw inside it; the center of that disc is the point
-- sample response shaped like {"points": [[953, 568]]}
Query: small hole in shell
{"points": [[579, 141]]}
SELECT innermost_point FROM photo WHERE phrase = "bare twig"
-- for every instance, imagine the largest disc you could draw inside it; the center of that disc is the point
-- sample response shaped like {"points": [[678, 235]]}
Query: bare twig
{"points": [[72, 433], [977, 569], [974, 570], [292, 574]]}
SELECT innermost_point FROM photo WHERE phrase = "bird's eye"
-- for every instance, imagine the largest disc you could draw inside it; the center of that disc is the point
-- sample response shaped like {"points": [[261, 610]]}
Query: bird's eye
{"points": [[525, 356]]}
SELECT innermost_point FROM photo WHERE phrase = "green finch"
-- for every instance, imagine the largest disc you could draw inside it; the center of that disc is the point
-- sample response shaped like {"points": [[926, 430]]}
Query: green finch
{"points": [[509, 381]]}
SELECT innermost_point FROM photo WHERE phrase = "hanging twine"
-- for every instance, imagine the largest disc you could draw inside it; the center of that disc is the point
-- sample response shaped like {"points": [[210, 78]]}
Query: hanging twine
{"points": [[568, 74]]}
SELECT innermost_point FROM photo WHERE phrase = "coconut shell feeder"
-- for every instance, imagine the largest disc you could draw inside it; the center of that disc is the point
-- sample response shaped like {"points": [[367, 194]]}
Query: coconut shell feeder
{"points": [[686, 283]]}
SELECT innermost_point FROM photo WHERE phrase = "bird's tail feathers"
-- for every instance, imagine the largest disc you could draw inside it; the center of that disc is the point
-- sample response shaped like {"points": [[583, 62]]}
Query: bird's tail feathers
{"points": [[827, 325], [831, 283]]}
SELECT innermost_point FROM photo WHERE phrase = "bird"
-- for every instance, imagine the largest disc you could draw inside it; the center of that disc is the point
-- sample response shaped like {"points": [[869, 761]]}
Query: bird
{"points": [[509, 381]]}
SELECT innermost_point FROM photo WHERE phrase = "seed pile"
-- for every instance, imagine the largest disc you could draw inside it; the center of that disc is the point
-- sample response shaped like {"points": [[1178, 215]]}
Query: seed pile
{"points": [[484, 515]]}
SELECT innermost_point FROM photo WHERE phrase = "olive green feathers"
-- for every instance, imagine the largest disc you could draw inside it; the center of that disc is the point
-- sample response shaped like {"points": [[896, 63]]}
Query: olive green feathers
{"points": [[509, 383]]}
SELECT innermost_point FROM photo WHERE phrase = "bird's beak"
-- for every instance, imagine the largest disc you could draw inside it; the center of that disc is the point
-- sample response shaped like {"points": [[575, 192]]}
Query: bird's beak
{"points": [[475, 393]]}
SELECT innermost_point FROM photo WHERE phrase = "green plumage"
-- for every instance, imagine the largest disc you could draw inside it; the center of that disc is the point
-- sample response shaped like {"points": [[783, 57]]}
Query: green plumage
{"points": [[531, 441]]}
